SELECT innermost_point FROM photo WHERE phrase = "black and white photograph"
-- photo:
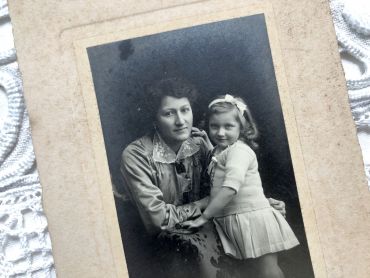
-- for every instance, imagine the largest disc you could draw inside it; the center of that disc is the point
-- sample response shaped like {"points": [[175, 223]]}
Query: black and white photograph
{"points": [[198, 153]]}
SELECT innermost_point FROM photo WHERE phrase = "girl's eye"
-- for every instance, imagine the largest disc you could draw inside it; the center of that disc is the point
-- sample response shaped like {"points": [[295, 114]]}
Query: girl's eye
{"points": [[229, 126]]}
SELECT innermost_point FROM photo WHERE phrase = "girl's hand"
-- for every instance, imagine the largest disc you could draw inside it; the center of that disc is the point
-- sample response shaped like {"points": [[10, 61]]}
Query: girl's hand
{"points": [[278, 205], [196, 132], [193, 224]]}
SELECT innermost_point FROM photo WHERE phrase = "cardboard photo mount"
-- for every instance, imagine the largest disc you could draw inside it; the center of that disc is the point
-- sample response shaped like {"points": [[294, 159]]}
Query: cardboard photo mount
{"points": [[69, 146]]}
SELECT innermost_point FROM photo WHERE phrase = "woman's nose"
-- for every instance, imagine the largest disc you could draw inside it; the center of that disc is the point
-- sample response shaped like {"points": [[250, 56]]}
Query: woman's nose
{"points": [[180, 119]]}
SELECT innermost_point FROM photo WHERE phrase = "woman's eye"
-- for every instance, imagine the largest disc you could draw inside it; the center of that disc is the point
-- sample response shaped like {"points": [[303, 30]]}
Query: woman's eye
{"points": [[168, 113], [186, 109]]}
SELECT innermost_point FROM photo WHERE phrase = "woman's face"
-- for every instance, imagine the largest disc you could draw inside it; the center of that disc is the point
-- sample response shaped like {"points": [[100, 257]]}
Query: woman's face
{"points": [[174, 120]]}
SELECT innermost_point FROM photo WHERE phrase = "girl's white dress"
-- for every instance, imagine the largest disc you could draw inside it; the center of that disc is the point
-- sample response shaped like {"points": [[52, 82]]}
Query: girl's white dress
{"points": [[248, 226]]}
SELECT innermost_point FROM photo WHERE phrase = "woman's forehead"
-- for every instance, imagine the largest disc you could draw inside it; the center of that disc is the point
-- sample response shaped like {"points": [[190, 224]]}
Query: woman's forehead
{"points": [[169, 102]]}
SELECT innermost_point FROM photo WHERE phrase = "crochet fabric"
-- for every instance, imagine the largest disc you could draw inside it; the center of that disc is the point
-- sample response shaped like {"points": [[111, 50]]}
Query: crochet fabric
{"points": [[25, 248], [352, 25]]}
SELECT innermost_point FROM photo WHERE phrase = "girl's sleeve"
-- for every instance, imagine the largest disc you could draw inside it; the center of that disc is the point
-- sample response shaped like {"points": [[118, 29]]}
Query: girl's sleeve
{"points": [[155, 213], [238, 160]]}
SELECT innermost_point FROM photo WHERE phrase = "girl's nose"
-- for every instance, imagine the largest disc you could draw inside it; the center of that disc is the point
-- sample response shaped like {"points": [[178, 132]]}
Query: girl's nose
{"points": [[221, 132]]}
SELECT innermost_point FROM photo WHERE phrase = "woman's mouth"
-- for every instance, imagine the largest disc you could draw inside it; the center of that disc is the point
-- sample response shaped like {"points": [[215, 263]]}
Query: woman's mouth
{"points": [[181, 129]]}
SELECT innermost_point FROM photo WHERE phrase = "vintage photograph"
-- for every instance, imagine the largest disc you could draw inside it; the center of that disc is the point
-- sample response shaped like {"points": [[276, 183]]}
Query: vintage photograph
{"points": [[198, 153]]}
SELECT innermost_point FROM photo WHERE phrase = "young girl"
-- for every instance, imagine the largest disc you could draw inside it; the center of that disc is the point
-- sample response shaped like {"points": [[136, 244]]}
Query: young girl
{"points": [[246, 223]]}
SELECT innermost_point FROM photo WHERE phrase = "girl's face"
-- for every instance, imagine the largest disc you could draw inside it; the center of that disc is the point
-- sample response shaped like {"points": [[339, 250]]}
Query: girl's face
{"points": [[174, 121], [224, 129]]}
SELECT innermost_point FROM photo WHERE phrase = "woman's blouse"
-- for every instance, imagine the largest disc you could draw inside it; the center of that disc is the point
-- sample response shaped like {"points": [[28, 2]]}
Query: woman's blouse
{"points": [[163, 184], [236, 167]]}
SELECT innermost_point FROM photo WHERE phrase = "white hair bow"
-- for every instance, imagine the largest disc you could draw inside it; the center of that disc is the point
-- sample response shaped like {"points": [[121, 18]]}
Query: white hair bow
{"points": [[230, 99]]}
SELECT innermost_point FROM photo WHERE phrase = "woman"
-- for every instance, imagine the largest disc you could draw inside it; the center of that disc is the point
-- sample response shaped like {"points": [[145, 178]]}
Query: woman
{"points": [[164, 176]]}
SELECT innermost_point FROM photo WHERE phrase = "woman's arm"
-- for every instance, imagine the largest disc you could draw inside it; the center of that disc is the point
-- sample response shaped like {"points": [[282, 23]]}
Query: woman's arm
{"points": [[222, 198], [156, 214]]}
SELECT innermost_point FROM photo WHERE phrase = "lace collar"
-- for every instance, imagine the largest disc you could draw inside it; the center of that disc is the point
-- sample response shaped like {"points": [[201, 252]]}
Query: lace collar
{"points": [[164, 154]]}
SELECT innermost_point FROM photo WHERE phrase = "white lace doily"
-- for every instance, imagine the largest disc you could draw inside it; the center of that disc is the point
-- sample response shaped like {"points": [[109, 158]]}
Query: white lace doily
{"points": [[25, 248]]}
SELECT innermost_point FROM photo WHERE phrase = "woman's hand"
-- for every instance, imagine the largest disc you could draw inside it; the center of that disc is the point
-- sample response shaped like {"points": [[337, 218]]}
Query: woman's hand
{"points": [[196, 132], [193, 224], [278, 205]]}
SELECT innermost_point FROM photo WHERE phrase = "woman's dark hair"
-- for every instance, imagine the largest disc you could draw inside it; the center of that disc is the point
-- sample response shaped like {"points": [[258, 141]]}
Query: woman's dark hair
{"points": [[173, 87]]}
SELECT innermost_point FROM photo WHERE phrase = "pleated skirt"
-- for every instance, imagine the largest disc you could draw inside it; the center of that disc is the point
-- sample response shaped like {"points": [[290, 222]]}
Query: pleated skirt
{"points": [[255, 233]]}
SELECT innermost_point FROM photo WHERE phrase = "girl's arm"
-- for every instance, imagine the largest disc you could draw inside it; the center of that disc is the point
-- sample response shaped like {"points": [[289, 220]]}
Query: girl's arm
{"points": [[216, 205], [222, 198], [239, 158], [202, 203]]}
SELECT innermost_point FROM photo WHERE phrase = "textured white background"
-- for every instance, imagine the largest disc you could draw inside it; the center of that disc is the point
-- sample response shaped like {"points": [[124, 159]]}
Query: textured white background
{"points": [[25, 248], [352, 24]]}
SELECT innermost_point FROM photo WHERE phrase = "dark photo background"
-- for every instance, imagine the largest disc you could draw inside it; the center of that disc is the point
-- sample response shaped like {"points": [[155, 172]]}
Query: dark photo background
{"points": [[230, 56]]}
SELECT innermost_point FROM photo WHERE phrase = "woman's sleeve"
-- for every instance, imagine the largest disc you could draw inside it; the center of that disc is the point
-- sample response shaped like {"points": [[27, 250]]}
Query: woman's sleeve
{"points": [[238, 160], [205, 159], [155, 213]]}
